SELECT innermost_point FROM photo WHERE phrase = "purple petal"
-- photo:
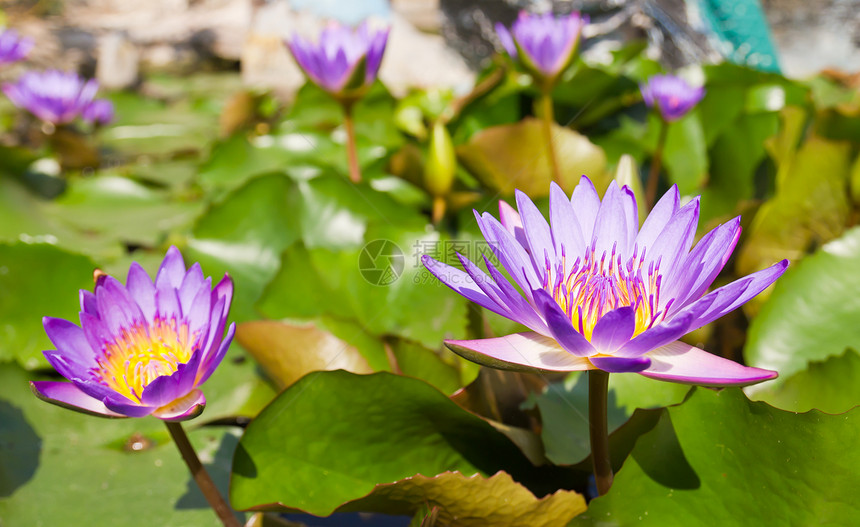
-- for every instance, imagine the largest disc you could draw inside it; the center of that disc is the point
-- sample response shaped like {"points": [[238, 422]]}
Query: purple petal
{"points": [[732, 296], [172, 269], [67, 395], [224, 290], [511, 220], [586, 204], [610, 227], [163, 389], [537, 233], [620, 364], [129, 410], [682, 363], [614, 329], [191, 284], [167, 301], [462, 283], [566, 231], [511, 255], [506, 40], [70, 340], [142, 290], [182, 409], [212, 360], [519, 352], [521, 310], [116, 308], [703, 264], [560, 327], [659, 217], [88, 302], [673, 244]]}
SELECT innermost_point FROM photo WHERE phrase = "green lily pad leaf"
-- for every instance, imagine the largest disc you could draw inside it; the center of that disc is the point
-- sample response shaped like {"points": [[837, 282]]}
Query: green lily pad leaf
{"points": [[832, 386], [46, 450], [513, 156], [122, 209], [376, 429], [474, 500], [437, 368], [735, 157], [37, 280], [735, 462], [288, 352], [244, 236], [236, 160], [810, 316], [810, 208]]}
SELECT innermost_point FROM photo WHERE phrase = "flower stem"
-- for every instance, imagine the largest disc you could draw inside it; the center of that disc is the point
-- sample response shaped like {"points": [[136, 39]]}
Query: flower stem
{"points": [[351, 151], [207, 486], [598, 395], [548, 119], [656, 161]]}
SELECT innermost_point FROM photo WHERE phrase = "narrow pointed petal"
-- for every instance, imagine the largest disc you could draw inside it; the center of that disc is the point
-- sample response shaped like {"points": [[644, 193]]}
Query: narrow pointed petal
{"points": [[730, 297], [69, 396], [70, 340], [211, 361], [462, 283], [675, 240], [130, 410], [614, 329], [682, 363], [511, 220], [621, 364], [665, 332], [566, 232], [659, 216], [560, 327], [586, 204], [172, 269], [512, 256], [519, 352], [537, 233], [88, 302], [182, 409], [141, 289], [610, 227]]}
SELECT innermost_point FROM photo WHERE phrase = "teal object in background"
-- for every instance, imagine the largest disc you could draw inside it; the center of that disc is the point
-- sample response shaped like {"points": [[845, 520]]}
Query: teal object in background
{"points": [[742, 29], [351, 12]]}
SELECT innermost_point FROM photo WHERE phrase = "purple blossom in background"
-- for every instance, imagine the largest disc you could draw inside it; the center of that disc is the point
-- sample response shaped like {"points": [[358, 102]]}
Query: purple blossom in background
{"points": [[143, 348], [54, 96], [13, 47], [99, 111], [543, 43], [672, 96], [598, 292], [333, 62]]}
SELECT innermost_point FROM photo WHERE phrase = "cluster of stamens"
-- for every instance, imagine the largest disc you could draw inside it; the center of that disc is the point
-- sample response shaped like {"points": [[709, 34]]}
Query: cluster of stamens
{"points": [[597, 284], [141, 354]]}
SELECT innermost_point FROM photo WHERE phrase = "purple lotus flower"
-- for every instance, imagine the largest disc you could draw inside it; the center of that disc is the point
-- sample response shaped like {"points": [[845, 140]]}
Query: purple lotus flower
{"points": [[598, 292], [53, 96], [344, 61], [544, 44], [143, 348], [99, 111], [672, 96], [13, 47]]}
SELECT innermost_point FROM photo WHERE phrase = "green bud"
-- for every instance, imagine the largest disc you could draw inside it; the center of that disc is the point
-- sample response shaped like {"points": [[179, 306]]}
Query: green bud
{"points": [[441, 161]]}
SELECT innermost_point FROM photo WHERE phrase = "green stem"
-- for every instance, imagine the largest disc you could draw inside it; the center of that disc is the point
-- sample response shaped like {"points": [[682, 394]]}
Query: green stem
{"points": [[656, 161], [351, 151], [207, 486], [548, 119], [598, 395]]}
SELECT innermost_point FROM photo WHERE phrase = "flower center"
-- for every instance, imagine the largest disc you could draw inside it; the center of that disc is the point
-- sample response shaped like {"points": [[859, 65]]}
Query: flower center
{"points": [[597, 284], [141, 354]]}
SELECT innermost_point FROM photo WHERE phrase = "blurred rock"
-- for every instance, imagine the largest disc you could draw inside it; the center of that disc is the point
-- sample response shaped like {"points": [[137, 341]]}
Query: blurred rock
{"points": [[117, 62]]}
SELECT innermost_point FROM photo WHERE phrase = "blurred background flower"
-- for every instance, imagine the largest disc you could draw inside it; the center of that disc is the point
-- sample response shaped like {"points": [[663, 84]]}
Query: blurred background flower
{"points": [[13, 47]]}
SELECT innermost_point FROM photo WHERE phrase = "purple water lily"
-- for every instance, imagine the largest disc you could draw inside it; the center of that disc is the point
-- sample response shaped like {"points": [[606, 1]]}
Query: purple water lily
{"points": [[598, 292], [672, 96], [54, 96], [13, 47], [143, 348], [544, 44], [344, 60]]}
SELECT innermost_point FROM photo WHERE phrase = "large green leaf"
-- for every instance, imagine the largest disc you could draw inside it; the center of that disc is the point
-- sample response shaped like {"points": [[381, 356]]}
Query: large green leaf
{"points": [[59, 467], [121, 209], [36, 281], [724, 460], [685, 156], [810, 208], [811, 316], [244, 235], [513, 156], [333, 437]]}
